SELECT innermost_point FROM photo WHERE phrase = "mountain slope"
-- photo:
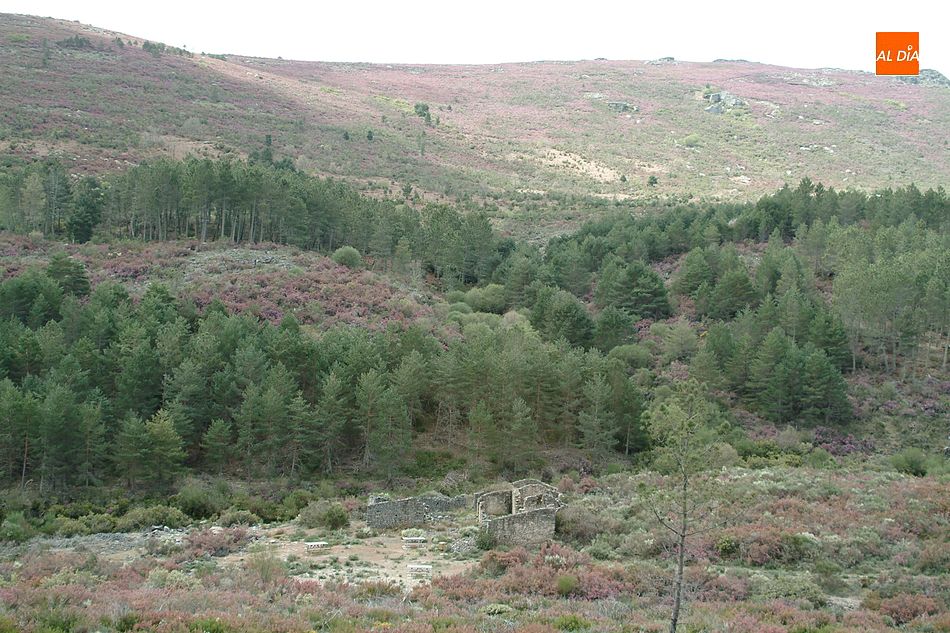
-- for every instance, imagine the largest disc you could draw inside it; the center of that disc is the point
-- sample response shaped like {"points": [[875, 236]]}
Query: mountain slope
{"points": [[520, 135]]}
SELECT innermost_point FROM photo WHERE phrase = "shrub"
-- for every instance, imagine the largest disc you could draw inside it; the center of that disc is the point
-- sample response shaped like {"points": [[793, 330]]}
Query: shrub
{"points": [[199, 501], [347, 256], [233, 517], [161, 578], [15, 528], [455, 296], [139, 518], [490, 298], [566, 585], [210, 625], [905, 607], [89, 524], [216, 542], [297, 501], [463, 308], [485, 540], [791, 588], [911, 461], [323, 514], [634, 356], [692, 140], [727, 546], [267, 510]]}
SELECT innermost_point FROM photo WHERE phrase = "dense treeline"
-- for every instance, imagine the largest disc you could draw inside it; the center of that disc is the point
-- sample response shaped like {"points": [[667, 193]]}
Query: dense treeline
{"points": [[244, 202], [846, 279], [96, 386], [786, 295]]}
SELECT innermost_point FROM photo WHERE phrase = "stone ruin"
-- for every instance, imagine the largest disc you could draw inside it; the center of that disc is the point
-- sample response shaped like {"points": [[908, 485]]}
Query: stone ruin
{"points": [[383, 513], [522, 514]]}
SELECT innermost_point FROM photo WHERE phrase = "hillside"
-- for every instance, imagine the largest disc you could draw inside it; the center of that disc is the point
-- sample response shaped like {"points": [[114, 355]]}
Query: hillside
{"points": [[539, 142]]}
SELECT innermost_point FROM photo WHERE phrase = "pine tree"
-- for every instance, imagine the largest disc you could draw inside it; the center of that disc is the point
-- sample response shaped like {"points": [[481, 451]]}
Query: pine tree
{"points": [[824, 392], [772, 380], [613, 327], [69, 274], [298, 441], [595, 423], [165, 452], [483, 434], [131, 450], [333, 421], [826, 332], [216, 445], [91, 455], [733, 292], [694, 271]]}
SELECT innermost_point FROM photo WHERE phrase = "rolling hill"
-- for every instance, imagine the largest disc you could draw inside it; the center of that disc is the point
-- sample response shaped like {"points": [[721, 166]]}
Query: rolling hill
{"points": [[541, 143]]}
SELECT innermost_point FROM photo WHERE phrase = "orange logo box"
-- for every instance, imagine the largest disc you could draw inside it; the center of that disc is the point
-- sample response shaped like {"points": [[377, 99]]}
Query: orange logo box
{"points": [[898, 53]]}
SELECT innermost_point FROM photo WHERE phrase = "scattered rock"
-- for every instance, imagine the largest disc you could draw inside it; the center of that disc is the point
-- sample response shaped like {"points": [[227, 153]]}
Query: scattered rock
{"points": [[715, 108]]}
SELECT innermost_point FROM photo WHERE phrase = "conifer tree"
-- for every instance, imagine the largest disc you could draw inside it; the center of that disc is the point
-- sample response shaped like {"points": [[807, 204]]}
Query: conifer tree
{"points": [[595, 423], [216, 445]]}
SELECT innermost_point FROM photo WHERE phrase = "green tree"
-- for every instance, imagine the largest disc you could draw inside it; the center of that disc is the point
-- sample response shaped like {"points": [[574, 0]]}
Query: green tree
{"points": [[613, 327], [685, 451], [216, 445], [824, 392], [69, 274], [165, 452], [333, 420], [131, 450], [734, 292], [596, 422]]}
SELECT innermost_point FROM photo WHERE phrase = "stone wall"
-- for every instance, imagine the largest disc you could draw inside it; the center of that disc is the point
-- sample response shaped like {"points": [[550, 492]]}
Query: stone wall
{"points": [[493, 504], [525, 528], [413, 511], [533, 495]]}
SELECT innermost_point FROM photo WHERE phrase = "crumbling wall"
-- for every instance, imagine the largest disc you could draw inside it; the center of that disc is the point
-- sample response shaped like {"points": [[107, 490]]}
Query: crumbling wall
{"points": [[532, 495], [493, 504], [412, 511], [525, 528]]}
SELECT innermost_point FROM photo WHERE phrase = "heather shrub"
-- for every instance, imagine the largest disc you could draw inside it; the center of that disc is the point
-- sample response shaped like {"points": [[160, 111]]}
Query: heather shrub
{"points": [[232, 517], [934, 558], [905, 607], [322, 514], [580, 525], [139, 518], [216, 542], [347, 256]]}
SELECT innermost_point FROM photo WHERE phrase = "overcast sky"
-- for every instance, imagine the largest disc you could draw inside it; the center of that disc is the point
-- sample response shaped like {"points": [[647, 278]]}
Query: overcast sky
{"points": [[801, 33]]}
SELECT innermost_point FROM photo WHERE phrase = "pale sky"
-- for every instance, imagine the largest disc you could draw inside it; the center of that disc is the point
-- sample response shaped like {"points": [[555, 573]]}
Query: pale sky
{"points": [[800, 33]]}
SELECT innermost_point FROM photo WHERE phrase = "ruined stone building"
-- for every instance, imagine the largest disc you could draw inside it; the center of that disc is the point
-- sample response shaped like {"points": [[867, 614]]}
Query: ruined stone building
{"points": [[383, 514], [522, 514]]}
